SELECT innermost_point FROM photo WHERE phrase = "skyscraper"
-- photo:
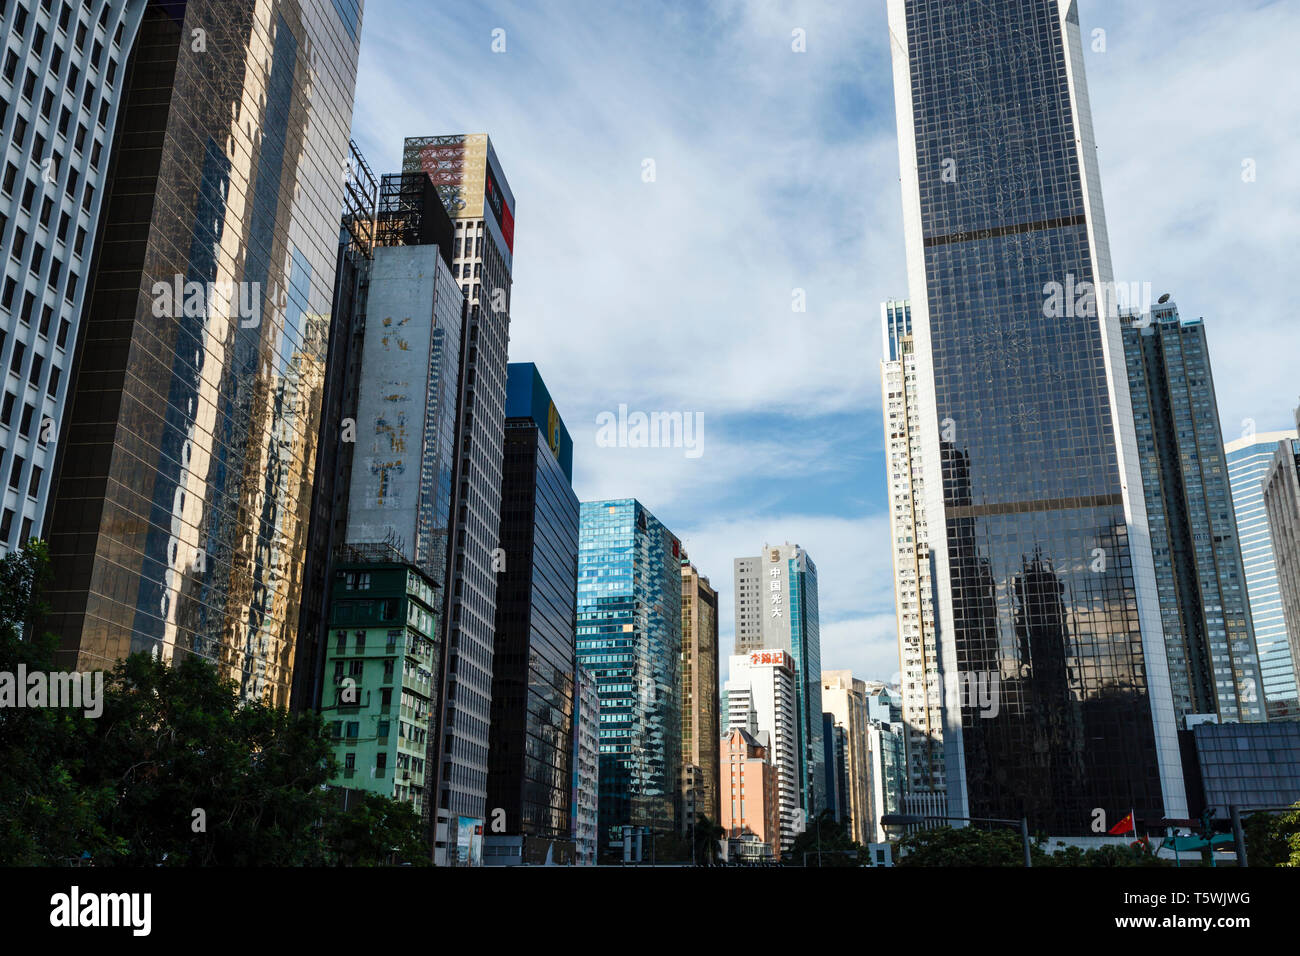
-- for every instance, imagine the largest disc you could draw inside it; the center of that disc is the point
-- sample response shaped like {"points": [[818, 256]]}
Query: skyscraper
{"points": [[1204, 607], [180, 510], [58, 131], [918, 653], [530, 757], [630, 638], [1250, 459], [1043, 571], [780, 590], [336, 433], [468, 177], [845, 699], [1282, 504], [763, 700], [701, 729]]}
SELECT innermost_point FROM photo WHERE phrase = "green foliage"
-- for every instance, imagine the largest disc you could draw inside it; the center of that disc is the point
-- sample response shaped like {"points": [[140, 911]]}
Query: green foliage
{"points": [[829, 837], [969, 846], [176, 771], [707, 836], [1273, 839]]}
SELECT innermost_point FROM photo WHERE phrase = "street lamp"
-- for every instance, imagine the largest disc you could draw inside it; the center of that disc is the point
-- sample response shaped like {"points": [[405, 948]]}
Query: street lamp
{"points": [[907, 820]]}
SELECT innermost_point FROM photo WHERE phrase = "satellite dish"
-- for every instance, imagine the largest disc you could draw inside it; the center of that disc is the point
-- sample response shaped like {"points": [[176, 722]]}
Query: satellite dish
{"points": [[1163, 299]]}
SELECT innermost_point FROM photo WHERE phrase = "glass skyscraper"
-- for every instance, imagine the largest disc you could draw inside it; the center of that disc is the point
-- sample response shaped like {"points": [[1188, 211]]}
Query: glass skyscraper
{"points": [[1204, 607], [187, 449], [630, 639], [1043, 574], [1250, 459], [530, 758]]}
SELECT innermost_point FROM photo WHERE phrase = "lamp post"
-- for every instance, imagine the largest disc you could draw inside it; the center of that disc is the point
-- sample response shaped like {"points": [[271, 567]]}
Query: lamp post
{"points": [[907, 820]]}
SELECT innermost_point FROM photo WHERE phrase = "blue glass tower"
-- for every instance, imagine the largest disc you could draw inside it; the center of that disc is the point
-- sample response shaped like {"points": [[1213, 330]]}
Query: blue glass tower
{"points": [[630, 638], [1250, 459]]}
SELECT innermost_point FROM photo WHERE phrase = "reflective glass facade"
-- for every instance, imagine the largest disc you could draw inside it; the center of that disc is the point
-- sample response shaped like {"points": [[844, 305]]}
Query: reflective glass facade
{"points": [[60, 87], [1213, 665], [630, 639], [1042, 565], [188, 447], [530, 758], [1249, 460]]}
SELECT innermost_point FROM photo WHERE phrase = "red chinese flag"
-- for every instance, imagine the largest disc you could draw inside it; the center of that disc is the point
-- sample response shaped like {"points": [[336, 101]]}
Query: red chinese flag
{"points": [[1124, 826]]}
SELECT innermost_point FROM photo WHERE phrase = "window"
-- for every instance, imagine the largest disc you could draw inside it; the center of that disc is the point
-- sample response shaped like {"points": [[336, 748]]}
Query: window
{"points": [[20, 242], [38, 364], [20, 352], [29, 303], [354, 728], [29, 85], [11, 174], [81, 36], [6, 524], [53, 387], [7, 412], [25, 423], [29, 193], [47, 207], [7, 299], [64, 325], [47, 314], [16, 472], [11, 65], [33, 489]]}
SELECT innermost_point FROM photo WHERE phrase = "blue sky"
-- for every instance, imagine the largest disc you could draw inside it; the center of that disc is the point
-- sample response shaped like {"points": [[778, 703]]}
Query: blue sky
{"points": [[777, 171]]}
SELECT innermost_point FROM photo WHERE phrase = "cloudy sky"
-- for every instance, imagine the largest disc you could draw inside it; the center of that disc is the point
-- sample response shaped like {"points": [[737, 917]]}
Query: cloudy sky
{"points": [[775, 179]]}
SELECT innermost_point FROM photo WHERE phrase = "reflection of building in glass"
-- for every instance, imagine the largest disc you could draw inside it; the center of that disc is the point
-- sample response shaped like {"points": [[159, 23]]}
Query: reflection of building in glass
{"points": [[465, 171], [630, 639], [1213, 662], [179, 519], [913, 594], [701, 728], [1038, 532], [776, 601], [1249, 460], [530, 757], [52, 199]]}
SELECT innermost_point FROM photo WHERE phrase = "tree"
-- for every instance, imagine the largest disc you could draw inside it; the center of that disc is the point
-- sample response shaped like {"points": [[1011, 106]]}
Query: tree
{"points": [[825, 842], [45, 817], [707, 835], [966, 846], [174, 771], [376, 832], [1273, 839]]}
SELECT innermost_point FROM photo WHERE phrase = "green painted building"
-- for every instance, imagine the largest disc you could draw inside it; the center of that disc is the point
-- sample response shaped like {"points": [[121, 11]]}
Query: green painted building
{"points": [[381, 662]]}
